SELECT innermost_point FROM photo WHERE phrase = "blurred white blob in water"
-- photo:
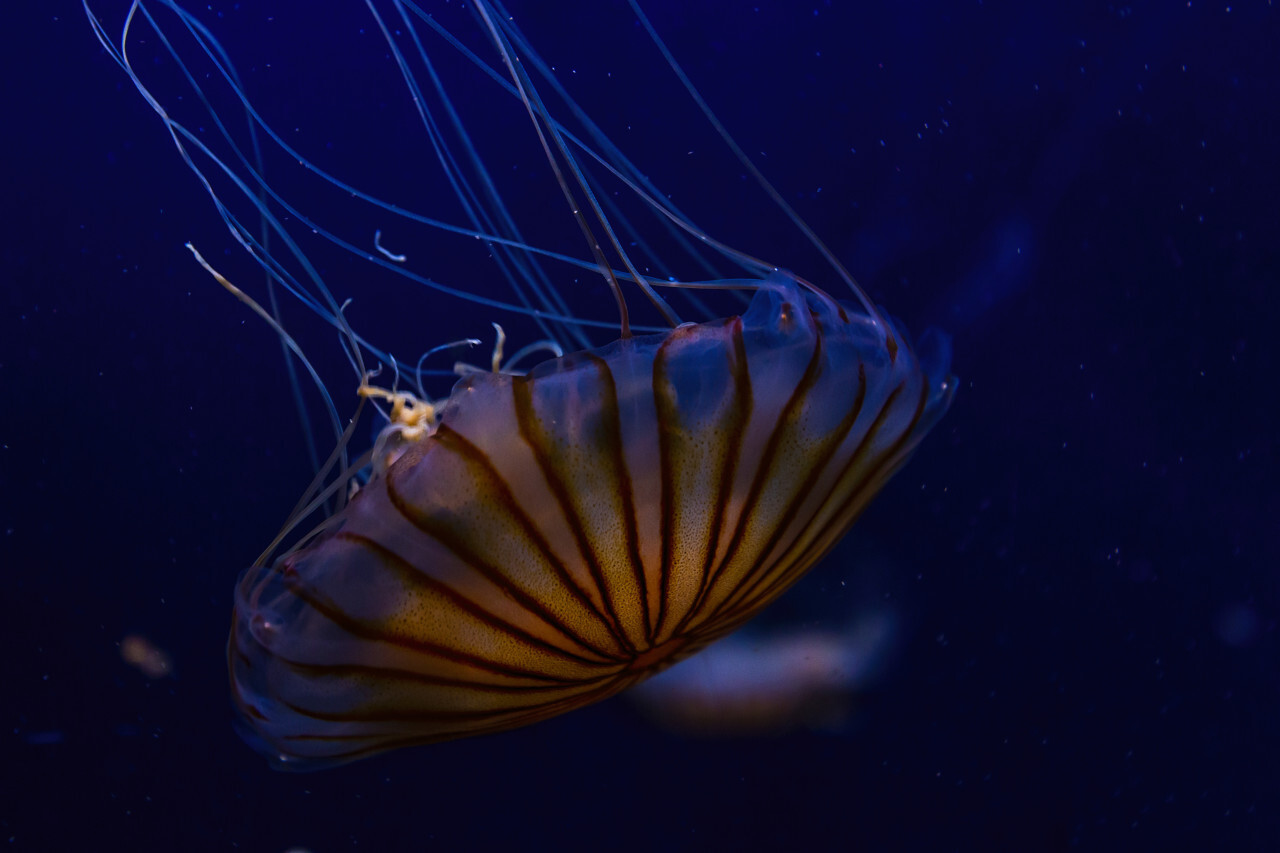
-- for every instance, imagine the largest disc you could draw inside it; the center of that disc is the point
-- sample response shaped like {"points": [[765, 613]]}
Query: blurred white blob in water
{"points": [[146, 657], [755, 684]]}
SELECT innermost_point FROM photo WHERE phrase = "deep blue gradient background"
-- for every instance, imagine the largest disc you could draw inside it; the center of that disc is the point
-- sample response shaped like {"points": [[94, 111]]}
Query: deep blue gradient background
{"points": [[1084, 554]]}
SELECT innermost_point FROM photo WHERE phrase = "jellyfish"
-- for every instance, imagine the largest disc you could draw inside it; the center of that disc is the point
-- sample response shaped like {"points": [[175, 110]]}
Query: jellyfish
{"points": [[569, 519]]}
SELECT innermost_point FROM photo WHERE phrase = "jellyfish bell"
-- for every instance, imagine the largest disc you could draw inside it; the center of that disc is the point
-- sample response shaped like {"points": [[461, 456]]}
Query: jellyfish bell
{"points": [[558, 536], [534, 540]]}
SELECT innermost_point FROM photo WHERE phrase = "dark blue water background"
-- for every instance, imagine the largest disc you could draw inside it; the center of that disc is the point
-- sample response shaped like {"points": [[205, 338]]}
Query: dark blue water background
{"points": [[1083, 557]]}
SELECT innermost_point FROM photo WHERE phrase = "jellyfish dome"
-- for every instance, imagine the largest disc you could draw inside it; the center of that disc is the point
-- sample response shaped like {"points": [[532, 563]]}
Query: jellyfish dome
{"points": [[559, 536]]}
